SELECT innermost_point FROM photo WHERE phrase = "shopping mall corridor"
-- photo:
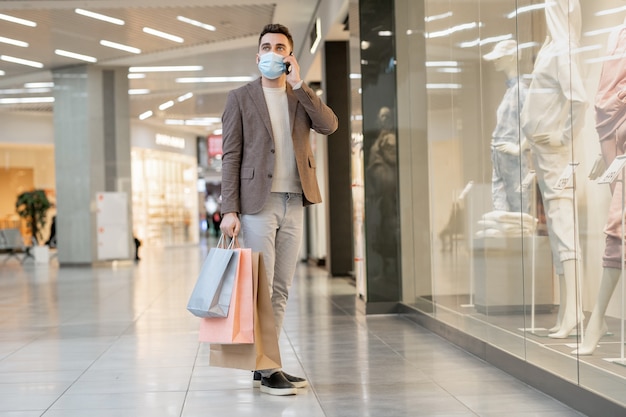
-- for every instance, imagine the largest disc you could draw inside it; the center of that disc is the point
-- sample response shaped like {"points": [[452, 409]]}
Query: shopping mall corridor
{"points": [[115, 340]]}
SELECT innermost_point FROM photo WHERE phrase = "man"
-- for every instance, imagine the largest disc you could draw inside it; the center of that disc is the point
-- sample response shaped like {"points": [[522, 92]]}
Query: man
{"points": [[268, 171]]}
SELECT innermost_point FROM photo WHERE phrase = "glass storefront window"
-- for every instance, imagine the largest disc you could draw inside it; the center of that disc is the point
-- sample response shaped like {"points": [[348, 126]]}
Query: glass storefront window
{"points": [[520, 108], [165, 200]]}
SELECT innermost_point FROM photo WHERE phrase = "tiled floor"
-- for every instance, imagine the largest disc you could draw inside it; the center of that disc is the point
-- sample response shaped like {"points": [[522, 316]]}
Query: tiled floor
{"points": [[117, 341]]}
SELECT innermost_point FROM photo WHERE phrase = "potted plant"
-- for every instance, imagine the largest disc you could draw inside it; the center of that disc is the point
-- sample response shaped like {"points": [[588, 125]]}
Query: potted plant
{"points": [[33, 206]]}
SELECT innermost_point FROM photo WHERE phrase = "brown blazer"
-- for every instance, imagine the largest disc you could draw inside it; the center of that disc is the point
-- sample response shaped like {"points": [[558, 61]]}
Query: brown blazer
{"points": [[248, 145]]}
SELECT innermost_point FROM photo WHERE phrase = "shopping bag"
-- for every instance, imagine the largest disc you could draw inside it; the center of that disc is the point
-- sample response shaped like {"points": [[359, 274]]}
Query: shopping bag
{"points": [[238, 326], [212, 293], [264, 352]]}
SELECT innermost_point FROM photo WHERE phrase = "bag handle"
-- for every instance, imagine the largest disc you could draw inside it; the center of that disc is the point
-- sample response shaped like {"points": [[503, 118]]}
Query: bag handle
{"points": [[233, 244]]}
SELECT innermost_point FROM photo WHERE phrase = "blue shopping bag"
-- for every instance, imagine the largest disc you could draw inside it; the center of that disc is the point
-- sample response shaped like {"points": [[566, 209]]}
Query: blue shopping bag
{"points": [[212, 293]]}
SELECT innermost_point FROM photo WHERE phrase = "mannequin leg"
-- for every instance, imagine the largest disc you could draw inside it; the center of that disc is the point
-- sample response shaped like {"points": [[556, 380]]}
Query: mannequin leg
{"points": [[562, 298], [597, 326], [573, 313]]}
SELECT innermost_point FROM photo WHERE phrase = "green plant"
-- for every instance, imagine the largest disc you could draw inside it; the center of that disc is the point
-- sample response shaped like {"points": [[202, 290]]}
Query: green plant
{"points": [[33, 206]]}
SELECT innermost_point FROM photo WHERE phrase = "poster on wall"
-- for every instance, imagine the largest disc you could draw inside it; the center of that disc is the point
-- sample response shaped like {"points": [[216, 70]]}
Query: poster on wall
{"points": [[112, 225]]}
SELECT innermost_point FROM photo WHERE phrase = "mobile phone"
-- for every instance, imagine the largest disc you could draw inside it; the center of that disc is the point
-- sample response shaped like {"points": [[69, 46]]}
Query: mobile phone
{"points": [[288, 66]]}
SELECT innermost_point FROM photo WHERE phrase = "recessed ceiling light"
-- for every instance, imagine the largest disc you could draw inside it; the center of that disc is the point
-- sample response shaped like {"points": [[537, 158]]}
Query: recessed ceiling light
{"points": [[43, 84], [120, 46], [2, 72], [163, 35], [13, 42], [99, 16], [166, 105], [26, 100], [17, 20], [145, 115], [196, 23], [75, 55], [214, 79], [167, 69], [21, 61], [184, 97]]}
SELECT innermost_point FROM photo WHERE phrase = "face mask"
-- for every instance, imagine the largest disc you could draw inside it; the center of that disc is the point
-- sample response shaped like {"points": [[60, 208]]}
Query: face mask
{"points": [[271, 65]]}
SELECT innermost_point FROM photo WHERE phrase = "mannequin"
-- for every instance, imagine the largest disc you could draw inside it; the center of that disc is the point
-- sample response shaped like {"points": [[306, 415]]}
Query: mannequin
{"points": [[508, 167], [610, 105], [553, 114]]}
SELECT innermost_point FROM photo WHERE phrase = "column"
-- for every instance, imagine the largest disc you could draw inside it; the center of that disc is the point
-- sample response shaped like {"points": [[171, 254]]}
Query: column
{"points": [[340, 256], [92, 153]]}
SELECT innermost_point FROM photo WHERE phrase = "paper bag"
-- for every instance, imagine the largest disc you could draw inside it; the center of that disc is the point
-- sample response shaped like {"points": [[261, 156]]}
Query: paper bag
{"points": [[264, 352], [213, 290], [238, 326]]}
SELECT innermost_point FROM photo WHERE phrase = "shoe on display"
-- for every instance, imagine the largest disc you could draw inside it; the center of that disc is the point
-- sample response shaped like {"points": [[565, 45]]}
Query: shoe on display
{"points": [[277, 384]]}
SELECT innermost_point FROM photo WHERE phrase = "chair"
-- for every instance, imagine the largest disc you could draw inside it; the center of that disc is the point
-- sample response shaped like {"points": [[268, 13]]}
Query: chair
{"points": [[12, 243]]}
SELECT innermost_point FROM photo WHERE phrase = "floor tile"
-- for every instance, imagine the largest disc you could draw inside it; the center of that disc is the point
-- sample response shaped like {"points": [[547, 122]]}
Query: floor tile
{"points": [[115, 340]]}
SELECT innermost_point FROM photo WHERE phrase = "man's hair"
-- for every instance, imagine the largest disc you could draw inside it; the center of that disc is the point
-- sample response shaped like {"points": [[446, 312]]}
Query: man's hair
{"points": [[276, 28]]}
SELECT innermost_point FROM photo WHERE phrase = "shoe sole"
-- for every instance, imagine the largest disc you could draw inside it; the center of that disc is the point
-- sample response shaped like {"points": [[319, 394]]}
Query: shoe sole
{"points": [[303, 384], [279, 391]]}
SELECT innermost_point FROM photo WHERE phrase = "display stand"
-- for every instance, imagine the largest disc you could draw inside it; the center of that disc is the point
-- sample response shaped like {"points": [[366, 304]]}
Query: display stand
{"points": [[470, 234], [529, 184], [610, 176]]}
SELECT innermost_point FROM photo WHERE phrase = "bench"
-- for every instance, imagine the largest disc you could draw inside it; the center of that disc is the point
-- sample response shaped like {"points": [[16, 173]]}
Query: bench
{"points": [[12, 243]]}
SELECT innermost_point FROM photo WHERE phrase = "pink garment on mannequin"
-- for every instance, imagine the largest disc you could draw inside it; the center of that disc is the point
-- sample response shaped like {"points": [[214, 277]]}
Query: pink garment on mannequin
{"points": [[611, 127]]}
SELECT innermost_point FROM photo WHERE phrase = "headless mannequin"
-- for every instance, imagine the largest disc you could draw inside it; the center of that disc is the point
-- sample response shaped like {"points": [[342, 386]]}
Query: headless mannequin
{"points": [[506, 169], [556, 87], [611, 127]]}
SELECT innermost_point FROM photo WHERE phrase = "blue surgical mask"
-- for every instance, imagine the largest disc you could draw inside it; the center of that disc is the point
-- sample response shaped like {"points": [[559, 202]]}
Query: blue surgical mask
{"points": [[271, 65]]}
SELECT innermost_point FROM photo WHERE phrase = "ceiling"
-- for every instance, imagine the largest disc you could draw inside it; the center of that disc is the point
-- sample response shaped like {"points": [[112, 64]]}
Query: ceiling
{"points": [[227, 51]]}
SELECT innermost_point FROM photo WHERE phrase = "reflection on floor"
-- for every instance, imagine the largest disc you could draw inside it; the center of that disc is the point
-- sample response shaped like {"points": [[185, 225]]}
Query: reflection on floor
{"points": [[117, 341]]}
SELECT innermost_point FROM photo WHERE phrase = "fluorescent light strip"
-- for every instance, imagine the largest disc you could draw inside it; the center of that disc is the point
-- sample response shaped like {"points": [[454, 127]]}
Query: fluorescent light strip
{"points": [[136, 76], [485, 41], [18, 20], [119, 46], [196, 23], [605, 58], [39, 85], [528, 45], [449, 70], [138, 91], [442, 63], [99, 16], [166, 105], [163, 35], [355, 76], [454, 29], [145, 115], [435, 86], [318, 35], [601, 31], [214, 79], [526, 9], [2, 72], [167, 69], [26, 100], [12, 91], [14, 42], [437, 17], [21, 61], [184, 97], [75, 55], [610, 11]]}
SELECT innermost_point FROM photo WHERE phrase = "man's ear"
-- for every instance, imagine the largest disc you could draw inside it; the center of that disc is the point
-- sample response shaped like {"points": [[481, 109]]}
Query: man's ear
{"points": [[257, 59]]}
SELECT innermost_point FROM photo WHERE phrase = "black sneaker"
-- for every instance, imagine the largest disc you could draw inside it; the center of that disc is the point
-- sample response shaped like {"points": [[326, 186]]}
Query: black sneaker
{"points": [[277, 384], [296, 380]]}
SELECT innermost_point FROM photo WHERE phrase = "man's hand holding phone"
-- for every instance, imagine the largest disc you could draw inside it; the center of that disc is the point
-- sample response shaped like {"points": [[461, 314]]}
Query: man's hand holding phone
{"points": [[292, 69]]}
